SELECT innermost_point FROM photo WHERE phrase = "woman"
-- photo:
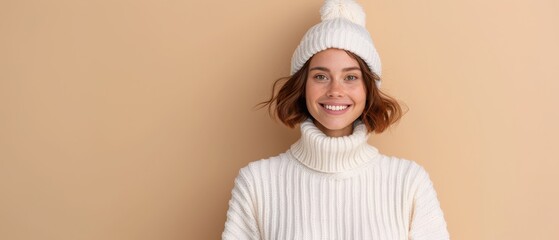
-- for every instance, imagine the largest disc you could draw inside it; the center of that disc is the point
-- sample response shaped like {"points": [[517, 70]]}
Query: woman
{"points": [[331, 184]]}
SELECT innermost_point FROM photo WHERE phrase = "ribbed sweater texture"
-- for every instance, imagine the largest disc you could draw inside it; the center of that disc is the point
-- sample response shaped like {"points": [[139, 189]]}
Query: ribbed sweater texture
{"points": [[334, 188]]}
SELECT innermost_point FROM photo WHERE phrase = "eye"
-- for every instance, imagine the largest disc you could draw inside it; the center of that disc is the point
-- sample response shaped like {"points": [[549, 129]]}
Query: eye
{"points": [[320, 77], [351, 77]]}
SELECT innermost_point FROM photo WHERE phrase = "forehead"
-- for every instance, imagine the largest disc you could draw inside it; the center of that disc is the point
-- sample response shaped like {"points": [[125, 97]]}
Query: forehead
{"points": [[333, 58]]}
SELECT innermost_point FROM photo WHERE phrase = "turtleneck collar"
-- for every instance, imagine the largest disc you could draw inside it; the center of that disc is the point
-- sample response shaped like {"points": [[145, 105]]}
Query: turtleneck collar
{"points": [[327, 154]]}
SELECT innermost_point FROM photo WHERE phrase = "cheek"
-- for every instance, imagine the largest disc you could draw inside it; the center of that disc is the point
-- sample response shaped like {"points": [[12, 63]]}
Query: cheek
{"points": [[359, 94], [311, 92], [308, 95], [309, 100], [363, 96]]}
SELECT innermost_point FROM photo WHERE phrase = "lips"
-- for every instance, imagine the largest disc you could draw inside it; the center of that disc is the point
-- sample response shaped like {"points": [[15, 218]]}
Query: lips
{"points": [[335, 108]]}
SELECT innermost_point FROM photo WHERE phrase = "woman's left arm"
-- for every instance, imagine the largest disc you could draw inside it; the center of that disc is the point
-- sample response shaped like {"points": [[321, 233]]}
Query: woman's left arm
{"points": [[427, 221]]}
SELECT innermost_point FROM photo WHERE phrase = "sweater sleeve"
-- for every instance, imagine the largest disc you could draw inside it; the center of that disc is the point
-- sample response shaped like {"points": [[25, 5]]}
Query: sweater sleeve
{"points": [[427, 221], [241, 221]]}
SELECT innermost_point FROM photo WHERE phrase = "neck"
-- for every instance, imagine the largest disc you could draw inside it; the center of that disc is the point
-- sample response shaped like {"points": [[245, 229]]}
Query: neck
{"points": [[328, 154], [334, 133]]}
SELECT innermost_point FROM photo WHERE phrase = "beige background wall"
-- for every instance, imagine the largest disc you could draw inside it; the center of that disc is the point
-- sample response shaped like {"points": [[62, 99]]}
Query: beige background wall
{"points": [[129, 119]]}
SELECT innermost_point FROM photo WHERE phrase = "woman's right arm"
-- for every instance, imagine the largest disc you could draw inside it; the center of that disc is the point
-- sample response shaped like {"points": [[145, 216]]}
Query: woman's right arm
{"points": [[241, 218]]}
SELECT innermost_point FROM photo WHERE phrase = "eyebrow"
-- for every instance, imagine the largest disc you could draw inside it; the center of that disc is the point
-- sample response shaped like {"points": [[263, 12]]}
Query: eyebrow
{"points": [[328, 70]]}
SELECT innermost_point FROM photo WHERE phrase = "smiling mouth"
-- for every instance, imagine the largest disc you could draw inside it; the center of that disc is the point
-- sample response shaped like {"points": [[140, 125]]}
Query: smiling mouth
{"points": [[335, 107]]}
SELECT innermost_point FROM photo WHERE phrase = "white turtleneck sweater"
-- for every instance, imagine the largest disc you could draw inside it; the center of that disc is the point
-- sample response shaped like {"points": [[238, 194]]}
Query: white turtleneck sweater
{"points": [[334, 188]]}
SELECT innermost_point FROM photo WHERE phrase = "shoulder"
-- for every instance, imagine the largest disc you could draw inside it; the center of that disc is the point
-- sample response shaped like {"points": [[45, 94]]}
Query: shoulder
{"points": [[263, 169], [403, 165], [267, 164], [406, 176], [410, 172]]}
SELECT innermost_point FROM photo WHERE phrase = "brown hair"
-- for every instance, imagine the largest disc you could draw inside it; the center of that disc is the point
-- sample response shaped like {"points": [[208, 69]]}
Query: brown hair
{"points": [[290, 107]]}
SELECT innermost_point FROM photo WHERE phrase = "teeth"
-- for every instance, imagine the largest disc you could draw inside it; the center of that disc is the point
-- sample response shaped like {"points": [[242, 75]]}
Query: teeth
{"points": [[335, 108]]}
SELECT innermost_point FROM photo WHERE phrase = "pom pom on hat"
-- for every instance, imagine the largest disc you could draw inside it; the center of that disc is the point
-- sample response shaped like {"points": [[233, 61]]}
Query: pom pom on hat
{"points": [[347, 9]]}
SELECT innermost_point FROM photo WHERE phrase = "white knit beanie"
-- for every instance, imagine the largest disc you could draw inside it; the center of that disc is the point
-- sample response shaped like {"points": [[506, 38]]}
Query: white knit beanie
{"points": [[343, 27]]}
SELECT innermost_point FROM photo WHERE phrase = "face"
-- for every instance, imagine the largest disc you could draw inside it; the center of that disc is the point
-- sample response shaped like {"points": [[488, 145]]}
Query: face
{"points": [[335, 92]]}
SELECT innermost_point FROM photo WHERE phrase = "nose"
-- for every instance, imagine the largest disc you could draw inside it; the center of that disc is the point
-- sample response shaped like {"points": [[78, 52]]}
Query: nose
{"points": [[335, 89]]}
